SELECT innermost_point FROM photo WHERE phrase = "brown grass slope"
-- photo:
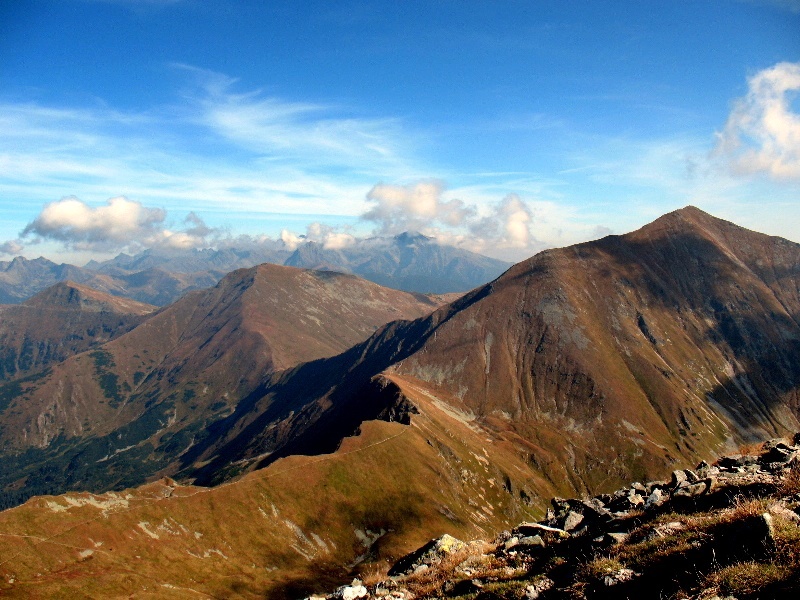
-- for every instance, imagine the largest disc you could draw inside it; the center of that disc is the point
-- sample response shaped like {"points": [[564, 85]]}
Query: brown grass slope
{"points": [[140, 400], [303, 524], [630, 353]]}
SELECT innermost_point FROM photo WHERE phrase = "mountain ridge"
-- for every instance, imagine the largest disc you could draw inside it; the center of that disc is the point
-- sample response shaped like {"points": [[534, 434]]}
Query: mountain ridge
{"points": [[557, 373], [160, 277], [150, 393]]}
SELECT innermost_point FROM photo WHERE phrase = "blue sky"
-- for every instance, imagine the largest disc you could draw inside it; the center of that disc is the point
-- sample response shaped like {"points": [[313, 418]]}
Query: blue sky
{"points": [[504, 127]]}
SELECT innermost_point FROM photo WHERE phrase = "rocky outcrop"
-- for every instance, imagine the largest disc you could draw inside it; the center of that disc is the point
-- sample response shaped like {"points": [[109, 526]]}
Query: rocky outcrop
{"points": [[729, 529]]}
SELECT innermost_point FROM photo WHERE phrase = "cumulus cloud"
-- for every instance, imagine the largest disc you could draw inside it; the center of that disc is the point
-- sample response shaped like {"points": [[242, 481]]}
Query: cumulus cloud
{"points": [[329, 237], [515, 217], [502, 228], [762, 134], [398, 208], [74, 222], [12, 247], [119, 224]]}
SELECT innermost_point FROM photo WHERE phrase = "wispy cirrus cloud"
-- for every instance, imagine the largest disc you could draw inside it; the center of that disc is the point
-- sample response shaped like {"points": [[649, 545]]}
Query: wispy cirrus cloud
{"points": [[322, 135], [212, 149], [297, 158]]}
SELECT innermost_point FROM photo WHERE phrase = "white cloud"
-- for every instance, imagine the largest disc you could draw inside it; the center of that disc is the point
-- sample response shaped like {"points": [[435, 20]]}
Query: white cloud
{"points": [[287, 157], [280, 129], [762, 134], [119, 224], [11, 247], [516, 217], [502, 229], [73, 221], [291, 240], [398, 208], [329, 237], [338, 241]]}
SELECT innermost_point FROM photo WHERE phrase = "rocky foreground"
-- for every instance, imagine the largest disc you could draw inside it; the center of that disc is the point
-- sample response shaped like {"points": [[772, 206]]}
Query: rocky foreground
{"points": [[729, 530]]}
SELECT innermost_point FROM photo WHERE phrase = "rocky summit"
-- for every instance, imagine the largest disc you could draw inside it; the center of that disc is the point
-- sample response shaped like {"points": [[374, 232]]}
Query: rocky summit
{"points": [[729, 530]]}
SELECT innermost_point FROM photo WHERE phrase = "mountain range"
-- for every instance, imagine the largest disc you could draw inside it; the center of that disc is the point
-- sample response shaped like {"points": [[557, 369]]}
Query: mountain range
{"points": [[409, 261], [343, 423], [22, 278], [600, 362], [124, 410]]}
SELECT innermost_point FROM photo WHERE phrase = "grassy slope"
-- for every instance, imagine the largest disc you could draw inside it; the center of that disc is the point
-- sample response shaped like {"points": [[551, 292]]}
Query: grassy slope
{"points": [[280, 532]]}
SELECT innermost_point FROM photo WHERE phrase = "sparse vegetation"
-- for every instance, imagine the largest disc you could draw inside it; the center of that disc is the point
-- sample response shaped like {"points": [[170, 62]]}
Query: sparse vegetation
{"points": [[743, 539], [746, 578], [598, 568], [107, 379]]}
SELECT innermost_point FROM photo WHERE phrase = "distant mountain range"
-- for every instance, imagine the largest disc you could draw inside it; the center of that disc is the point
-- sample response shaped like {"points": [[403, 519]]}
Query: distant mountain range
{"points": [[351, 422], [22, 278], [410, 262]]}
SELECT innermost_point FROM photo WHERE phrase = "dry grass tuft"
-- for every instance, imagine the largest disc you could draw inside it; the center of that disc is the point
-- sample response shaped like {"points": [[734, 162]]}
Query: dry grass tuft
{"points": [[375, 573], [431, 580], [600, 567], [744, 508], [746, 578], [787, 541], [791, 482]]}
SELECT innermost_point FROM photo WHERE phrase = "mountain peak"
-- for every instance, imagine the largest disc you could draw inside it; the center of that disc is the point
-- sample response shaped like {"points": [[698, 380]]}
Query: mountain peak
{"points": [[68, 294], [408, 238], [691, 217]]}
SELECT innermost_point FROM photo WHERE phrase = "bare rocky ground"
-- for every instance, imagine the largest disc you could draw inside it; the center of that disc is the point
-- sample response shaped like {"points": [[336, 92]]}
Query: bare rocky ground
{"points": [[729, 530]]}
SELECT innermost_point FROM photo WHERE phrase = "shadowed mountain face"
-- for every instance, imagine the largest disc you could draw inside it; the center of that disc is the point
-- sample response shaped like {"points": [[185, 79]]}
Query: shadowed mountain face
{"points": [[59, 322], [601, 362], [123, 411]]}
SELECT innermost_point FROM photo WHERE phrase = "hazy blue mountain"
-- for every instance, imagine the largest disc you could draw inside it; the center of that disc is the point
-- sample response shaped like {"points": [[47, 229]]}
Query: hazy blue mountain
{"points": [[409, 261]]}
